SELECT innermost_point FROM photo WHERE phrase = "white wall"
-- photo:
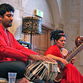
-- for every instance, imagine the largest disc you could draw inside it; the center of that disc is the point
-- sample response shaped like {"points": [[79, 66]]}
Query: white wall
{"points": [[81, 28], [30, 5]]}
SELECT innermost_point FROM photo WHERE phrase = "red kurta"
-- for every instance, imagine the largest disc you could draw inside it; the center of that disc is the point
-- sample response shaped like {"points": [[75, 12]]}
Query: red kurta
{"points": [[10, 49], [72, 75]]}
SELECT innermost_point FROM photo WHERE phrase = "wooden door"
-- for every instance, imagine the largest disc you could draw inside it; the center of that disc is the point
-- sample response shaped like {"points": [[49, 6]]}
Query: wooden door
{"points": [[41, 42]]}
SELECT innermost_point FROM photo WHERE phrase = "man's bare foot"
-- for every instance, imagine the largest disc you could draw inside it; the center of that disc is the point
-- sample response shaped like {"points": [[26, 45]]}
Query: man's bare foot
{"points": [[23, 80]]}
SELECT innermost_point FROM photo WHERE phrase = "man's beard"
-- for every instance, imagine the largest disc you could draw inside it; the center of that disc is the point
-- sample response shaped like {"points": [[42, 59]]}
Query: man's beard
{"points": [[9, 25], [6, 25]]}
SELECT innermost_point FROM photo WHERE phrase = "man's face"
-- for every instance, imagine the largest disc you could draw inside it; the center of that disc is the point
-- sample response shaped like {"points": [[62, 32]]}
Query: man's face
{"points": [[61, 42], [7, 19]]}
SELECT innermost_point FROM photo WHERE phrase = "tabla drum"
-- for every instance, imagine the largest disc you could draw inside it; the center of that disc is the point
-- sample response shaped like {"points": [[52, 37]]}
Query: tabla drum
{"points": [[41, 70]]}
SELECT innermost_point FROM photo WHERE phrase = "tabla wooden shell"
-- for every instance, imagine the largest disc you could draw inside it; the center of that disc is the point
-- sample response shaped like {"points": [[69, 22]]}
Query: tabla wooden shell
{"points": [[41, 70]]}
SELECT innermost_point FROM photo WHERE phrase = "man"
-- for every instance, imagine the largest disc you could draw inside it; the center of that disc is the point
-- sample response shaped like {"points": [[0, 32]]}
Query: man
{"points": [[13, 56]]}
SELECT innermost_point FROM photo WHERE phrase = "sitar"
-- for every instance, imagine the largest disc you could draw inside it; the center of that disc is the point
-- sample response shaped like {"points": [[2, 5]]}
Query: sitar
{"points": [[68, 58]]}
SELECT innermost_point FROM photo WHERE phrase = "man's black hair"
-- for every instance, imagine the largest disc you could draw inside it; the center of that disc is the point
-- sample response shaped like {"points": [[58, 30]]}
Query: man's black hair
{"points": [[5, 8]]}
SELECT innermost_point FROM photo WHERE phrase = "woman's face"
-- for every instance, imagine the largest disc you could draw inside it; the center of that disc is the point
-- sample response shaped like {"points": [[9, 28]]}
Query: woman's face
{"points": [[61, 42]]}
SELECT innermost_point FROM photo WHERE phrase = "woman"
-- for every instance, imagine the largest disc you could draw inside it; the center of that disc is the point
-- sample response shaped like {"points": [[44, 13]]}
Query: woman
{"points": [[57, 51]]}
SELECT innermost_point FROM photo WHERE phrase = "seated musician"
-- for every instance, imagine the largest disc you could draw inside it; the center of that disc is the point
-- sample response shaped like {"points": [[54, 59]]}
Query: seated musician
{"points": [[13, 56], [57, 51]]}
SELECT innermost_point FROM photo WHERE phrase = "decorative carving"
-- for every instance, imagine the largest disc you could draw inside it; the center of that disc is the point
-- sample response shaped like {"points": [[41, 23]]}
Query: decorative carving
{"points": [[32, 25]]}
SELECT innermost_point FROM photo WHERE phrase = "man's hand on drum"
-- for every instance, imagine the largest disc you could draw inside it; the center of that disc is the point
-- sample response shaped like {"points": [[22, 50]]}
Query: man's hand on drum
{"points": [[47, 58], [41, 58]]}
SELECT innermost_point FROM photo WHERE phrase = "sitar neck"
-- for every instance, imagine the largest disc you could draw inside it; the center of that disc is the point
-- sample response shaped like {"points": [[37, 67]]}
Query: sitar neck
{"points": [[74, 53]]}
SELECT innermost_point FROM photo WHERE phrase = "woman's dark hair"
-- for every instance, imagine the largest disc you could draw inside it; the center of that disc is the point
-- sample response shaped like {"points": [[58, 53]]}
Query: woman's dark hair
{"points": [[57, 34], [5, 8]]}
